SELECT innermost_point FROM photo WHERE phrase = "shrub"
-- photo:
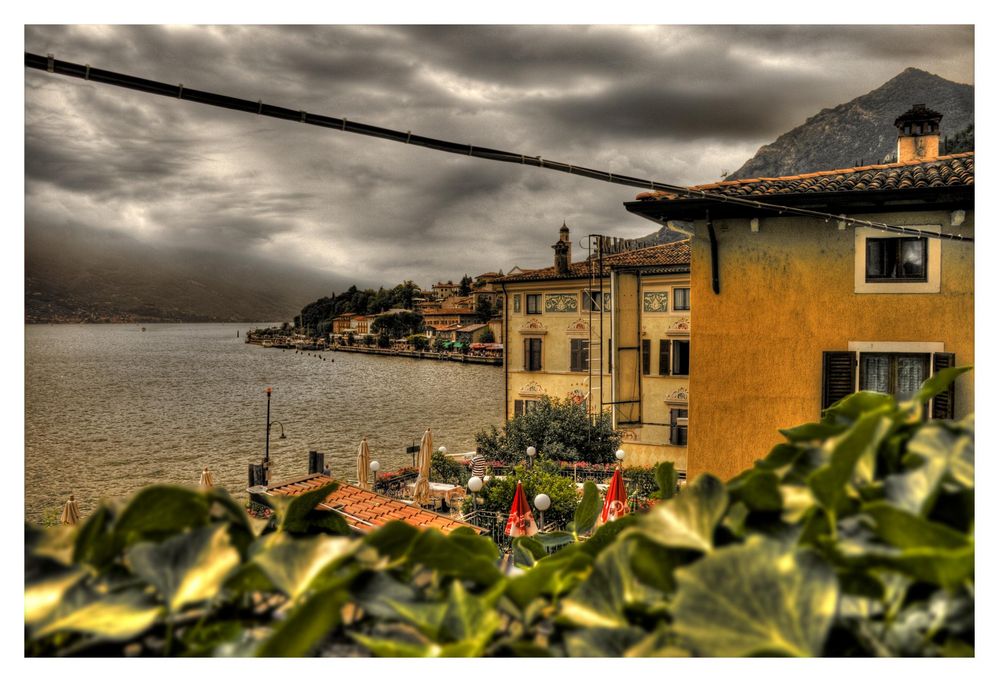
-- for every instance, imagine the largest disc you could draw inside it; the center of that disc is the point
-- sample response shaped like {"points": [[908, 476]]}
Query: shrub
{"points": [[445, 469], [418, 341], [558, 429], [497, 494]]}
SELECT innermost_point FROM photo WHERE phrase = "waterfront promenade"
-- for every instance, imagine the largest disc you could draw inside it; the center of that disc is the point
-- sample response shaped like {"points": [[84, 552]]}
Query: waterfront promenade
{"points": [[423, 355]]}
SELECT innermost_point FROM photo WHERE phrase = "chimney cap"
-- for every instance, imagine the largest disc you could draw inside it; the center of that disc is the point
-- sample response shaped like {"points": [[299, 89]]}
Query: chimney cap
{"points": [[919, 113]]}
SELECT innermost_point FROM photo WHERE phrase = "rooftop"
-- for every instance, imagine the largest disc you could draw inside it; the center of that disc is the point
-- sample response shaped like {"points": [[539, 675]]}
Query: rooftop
{"points": [[954, 170], [364, 510], [675, 255]]}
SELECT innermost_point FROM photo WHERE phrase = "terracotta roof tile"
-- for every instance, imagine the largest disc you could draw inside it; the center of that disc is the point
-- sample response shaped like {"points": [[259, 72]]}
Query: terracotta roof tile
{"points": [[675, 254], [363, 509], [943, 171]]}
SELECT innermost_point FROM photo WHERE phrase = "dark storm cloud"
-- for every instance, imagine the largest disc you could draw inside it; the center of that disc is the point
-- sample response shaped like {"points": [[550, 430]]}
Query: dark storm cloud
{"points": [[678, 104]]}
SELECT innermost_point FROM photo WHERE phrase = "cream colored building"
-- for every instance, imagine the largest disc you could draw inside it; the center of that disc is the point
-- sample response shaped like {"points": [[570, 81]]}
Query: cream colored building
{"points": [[611, 331]]}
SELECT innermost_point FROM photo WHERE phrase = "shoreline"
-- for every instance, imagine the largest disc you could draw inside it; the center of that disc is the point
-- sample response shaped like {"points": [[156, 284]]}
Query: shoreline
{"points": [[422, 355]]}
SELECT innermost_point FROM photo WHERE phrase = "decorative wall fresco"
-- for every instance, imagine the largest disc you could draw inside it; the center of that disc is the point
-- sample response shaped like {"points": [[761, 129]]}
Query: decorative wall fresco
{"points": [[561, 303], [655, 302]]}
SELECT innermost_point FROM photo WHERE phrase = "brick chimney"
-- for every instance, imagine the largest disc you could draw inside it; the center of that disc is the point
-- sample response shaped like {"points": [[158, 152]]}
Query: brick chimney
{"points": [[918, 134], [563, 251]]}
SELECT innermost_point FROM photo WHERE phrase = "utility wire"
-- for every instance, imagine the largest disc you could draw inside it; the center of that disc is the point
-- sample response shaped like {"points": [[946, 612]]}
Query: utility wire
{"points": [[86, 72]]}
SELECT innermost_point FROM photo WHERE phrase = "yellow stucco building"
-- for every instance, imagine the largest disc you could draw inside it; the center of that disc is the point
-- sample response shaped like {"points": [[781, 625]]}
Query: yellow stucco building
{"points": [[791, 313], [611, 331]]}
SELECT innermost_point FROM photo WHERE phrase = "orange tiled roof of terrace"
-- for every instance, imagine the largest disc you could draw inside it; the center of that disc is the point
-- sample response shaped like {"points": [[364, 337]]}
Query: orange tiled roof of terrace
{"points": [[674, 256], [942, 171], [364, 510]]}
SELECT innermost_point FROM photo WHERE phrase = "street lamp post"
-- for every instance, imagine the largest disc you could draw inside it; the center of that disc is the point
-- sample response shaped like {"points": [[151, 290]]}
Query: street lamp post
{"points": [[267, 440], [374, 466], [541, 503]]}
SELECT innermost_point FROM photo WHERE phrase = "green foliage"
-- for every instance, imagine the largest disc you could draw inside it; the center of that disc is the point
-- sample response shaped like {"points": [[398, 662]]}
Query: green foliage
{"points": [[447, 470], [853, 538], [384, 340], [484, 310], [962, 141], [559, 430], [418, 341], [543, 477], [398, 325], [487, 337], [465, 286]]}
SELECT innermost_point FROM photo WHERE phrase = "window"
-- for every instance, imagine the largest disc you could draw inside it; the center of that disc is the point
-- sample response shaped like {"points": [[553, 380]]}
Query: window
{"points": [[681, 358], [681, 298], [678, 426], [896, 259], [591, 301], [663, 357], [522, 407], [646, 356], [516, 303], [533, 304], [579, 355], [532, 355], [610, 354], [898, 374]]}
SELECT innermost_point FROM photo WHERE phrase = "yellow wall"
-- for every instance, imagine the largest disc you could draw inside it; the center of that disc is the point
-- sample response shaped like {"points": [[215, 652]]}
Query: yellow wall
{"points": [[787, 295]]}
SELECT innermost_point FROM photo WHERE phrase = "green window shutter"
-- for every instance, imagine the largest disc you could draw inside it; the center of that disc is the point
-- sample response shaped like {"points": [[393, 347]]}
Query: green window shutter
{"points": [[943, 404], [518, 408], [838, 376], [646, 356], [663, 357]]}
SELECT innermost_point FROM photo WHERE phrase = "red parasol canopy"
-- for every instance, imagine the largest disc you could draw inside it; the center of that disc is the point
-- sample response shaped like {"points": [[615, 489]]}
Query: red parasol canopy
{"points": [[521, 521], [616, 502]]}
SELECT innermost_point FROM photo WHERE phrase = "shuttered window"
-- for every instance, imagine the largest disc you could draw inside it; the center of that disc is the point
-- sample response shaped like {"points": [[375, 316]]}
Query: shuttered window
{"points": [[533, 304], [681, 298], [678, 426], [646, 356], [663, 357], [610, 354], [838, 379], [681, 358], [579, 355], [532, 355], [522, 407], [943, 404], [897, 374]]}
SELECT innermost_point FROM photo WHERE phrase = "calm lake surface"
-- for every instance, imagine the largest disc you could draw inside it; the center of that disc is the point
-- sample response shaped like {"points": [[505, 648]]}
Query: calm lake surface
{"points": [[110, 408]]}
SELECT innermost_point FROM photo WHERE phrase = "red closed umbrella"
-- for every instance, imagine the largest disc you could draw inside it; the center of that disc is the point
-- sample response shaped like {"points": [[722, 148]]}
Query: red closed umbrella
{"points": [[616, 502], [521, 520]]}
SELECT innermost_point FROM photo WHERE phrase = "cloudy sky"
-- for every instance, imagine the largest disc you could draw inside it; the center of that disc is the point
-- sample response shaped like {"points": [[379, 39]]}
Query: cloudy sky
{"points": [[675, 104]]}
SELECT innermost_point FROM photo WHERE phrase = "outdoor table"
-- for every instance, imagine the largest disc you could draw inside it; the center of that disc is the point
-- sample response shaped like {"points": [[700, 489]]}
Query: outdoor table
{"points": [[442, 490], [602, 487]]}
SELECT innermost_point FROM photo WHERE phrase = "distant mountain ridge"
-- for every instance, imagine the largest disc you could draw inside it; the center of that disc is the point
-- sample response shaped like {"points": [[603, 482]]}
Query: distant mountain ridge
{"points": [[861, 131], [81, 275]]}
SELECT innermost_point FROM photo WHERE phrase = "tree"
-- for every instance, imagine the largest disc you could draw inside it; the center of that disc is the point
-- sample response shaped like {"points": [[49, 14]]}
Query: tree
{"points": [[465, 286], [384, 341], [559, 429], [398, 325], [484, 309], [418, 341], [962, 141], [488, 336]]}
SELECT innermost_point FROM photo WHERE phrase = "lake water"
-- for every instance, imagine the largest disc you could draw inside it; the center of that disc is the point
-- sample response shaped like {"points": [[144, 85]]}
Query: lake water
{"points": [[110, 408]]}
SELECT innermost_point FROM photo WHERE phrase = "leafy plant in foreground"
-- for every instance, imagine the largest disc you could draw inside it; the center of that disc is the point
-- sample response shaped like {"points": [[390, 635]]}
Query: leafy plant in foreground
{"points": [[855, 537]]}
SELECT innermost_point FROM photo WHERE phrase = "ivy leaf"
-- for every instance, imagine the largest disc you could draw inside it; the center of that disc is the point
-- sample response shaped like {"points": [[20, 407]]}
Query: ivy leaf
{"points": [[587, 510], [852, 407], [603, 642], [689, 519], [861, 441], [189, 568], [306, 625], [758, 489], [43, 598], [461, 554], [158, 511], [471, 618], [761, 598], [611, 590], [905, 530], [666, 478], [120, 617], [812, 431], [292, 564], [936, 384], [527, 551], [551, 576], [943, 452]]}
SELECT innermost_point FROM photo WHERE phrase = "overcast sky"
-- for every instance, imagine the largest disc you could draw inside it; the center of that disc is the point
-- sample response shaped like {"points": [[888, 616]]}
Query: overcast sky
{"points": [[675, 104]]}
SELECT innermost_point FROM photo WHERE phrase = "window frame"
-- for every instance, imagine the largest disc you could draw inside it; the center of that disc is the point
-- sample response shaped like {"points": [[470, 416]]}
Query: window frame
{"points": [[577, 349], [537, 299], [678, 425], [530, 354], [926, 358], [674, 367], [897, 243], [646, 357], [934, 260], [677, 307]]}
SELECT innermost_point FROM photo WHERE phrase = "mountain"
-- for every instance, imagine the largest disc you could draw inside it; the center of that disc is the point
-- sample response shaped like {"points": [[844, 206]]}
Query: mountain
{"points": [[862, 131], [73, 274]]}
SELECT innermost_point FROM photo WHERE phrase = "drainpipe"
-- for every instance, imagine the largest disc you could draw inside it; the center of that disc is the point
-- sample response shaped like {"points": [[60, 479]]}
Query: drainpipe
{"points": [[506, 351], [715, 285]]}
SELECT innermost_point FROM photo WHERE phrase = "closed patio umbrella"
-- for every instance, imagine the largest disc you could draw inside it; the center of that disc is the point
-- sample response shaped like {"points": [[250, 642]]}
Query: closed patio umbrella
{"points": [[521, 519], [70, 513], [421, 491], [363, 464], [616, 502], [206, 479]]}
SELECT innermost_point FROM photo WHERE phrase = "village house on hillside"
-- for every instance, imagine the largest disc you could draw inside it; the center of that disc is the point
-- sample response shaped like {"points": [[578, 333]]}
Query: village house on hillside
{"points": [[609, 332], [791, 313]]}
